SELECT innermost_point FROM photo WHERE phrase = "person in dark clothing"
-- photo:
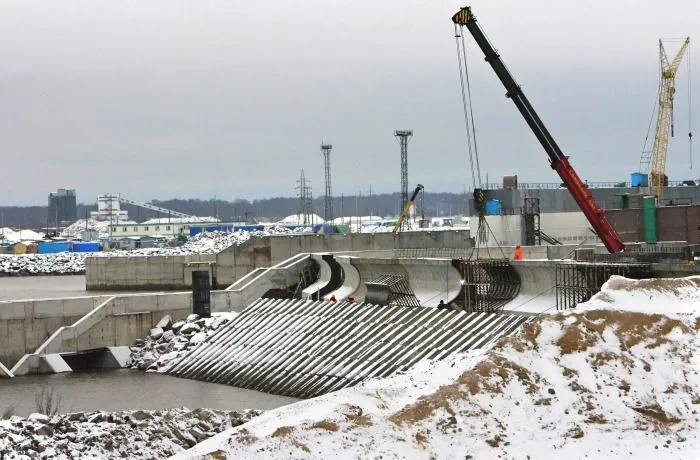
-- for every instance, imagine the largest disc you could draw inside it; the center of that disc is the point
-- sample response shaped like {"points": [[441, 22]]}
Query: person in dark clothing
{"points": [[442, 306]]}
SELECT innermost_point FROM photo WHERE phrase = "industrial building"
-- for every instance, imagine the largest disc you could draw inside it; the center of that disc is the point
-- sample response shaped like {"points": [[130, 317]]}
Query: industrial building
{"points": [[62, 206]]}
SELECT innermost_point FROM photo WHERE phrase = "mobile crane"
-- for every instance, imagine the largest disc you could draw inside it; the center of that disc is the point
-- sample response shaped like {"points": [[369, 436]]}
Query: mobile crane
{"points": [[407, 208], [558, 161]]}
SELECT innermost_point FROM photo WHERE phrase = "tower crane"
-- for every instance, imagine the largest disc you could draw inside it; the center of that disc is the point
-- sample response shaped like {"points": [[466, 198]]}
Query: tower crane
{"points": [[664, 120], [558, 161]]}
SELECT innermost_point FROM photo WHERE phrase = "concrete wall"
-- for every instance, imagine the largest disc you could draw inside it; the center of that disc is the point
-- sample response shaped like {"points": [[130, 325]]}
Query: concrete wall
{"points": [[25, 325], [105, 321], [283, 247], [141, 272], [233, 263]]}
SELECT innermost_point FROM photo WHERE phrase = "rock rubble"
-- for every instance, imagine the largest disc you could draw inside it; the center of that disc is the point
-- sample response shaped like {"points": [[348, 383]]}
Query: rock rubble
{"points": [[168, 341], [64, 263], [137, 434], [73, 263]]}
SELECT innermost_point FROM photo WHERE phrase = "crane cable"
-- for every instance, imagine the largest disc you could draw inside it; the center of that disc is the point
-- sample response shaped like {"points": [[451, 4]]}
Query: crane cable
{"points": [[484, 229], [467, 108], [690, 112]]}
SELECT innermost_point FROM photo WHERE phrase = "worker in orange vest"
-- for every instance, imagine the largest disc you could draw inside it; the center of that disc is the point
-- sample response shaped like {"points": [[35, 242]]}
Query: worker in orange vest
{"points": [[518, 253]]}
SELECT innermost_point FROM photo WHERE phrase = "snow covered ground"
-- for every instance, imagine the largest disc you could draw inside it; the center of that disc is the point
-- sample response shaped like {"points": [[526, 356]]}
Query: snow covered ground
{"points": [[616, 377]]}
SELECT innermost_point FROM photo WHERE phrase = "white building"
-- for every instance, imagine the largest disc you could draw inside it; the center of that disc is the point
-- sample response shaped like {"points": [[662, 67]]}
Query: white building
{"points": [[108, 209]]}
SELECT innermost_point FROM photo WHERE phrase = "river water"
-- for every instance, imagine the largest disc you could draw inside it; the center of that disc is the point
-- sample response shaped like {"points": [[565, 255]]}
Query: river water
{"points": [[129, 389], [46, 287], [124, 389]]}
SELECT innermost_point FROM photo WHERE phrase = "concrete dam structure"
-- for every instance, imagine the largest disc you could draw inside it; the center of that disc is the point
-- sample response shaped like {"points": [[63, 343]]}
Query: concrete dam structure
{"points": [[305, 348]]}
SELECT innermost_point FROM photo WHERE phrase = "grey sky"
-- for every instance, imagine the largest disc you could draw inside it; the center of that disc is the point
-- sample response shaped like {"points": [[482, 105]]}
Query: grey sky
{"points": [[175, 98]]}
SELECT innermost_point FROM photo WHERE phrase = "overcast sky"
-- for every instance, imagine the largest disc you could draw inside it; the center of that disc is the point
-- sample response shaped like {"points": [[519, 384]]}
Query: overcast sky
{"points": [[174, 98]]}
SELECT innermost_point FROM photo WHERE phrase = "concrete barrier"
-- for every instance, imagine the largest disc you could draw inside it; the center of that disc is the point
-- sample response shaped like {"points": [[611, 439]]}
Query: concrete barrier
{"points": [[118, 321]]}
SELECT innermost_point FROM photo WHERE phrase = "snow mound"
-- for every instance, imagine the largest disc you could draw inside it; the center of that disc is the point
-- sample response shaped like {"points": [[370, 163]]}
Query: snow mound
{"points": [[596, 383], [669, 296]]}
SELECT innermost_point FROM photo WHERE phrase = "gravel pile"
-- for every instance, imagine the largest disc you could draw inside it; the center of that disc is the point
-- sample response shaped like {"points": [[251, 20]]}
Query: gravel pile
{"points": [[73, 263], [135, 434], [207, 243], [169, 341], [64, 263]]}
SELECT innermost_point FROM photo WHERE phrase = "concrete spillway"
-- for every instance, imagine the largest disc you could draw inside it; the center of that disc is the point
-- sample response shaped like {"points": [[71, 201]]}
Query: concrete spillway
{"points": [[305, 348]]}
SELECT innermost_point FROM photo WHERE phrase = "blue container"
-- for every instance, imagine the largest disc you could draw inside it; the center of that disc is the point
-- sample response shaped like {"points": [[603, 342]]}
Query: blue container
{"points": [[639, 180], [87, 247], [53, 248], [492, 207]]}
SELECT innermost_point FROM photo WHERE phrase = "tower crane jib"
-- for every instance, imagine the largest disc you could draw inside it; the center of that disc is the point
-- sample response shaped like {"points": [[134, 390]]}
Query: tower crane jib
{"points": [[664, 117]]}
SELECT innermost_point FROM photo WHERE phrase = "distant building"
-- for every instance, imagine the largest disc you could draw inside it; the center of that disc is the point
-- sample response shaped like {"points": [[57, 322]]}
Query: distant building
{"points": [[109, 210], [62, 206]]}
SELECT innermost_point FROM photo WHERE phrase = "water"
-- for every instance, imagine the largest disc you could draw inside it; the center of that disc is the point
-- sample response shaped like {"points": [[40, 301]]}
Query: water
{"points": [[124, 389], [129, 389], [46, 287]]}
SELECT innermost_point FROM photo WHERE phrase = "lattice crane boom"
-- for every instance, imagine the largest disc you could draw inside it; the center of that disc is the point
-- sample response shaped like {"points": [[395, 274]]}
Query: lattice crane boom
{"points": [[664, 117]]}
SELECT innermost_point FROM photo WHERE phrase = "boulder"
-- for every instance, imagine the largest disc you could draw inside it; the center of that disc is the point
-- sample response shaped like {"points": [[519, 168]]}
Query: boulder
{"points": [[198, 338], [141, 415], [189, 328], [177, 326], [38, 418], [96, 418], [168, 336], [44, 430], [156, 333], [165, 323], [198, 434], [77, 417], [192, 318]]}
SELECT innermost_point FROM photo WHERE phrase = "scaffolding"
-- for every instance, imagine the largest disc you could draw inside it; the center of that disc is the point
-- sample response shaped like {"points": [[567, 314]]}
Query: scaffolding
{"points": [[487, 285], [578, 282]]}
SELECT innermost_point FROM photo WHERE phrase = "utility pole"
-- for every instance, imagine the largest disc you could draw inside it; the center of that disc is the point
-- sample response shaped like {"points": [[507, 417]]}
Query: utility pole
{"points": [[328, 208]]}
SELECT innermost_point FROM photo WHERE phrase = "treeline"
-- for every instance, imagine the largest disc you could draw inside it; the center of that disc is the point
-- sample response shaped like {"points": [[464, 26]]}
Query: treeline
{"points": [[432, 204]]}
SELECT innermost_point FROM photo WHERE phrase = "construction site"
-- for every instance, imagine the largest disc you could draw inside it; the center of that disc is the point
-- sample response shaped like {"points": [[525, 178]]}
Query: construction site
{"points": [[338, 303]]}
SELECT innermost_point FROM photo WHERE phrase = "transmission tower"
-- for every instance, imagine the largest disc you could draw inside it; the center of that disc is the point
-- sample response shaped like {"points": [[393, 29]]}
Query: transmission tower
{"points": [[306, 210], [403, 136], [328, 203]]}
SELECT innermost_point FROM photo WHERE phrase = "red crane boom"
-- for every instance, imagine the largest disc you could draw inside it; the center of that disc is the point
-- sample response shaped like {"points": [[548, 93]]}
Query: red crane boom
{"points": [[559, 162]]}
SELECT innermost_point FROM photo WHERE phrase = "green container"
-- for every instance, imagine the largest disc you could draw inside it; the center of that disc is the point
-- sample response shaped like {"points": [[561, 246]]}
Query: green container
{"points": [[649, 219]]}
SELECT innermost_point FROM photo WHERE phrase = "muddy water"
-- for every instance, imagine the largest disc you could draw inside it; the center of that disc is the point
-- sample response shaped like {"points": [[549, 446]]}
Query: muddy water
{"points": [[129, 389]]}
